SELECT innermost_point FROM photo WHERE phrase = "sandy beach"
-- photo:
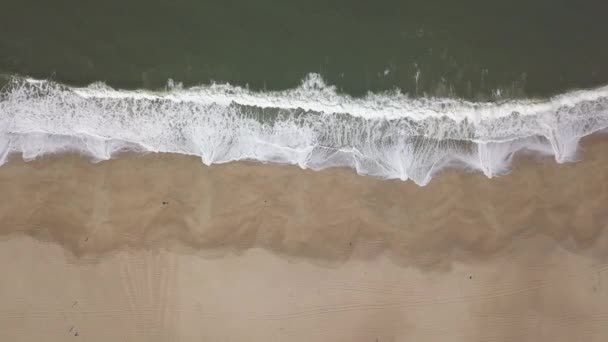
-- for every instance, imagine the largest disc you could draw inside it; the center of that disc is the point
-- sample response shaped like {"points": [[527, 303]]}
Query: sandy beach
{"points": [[159, 247]]}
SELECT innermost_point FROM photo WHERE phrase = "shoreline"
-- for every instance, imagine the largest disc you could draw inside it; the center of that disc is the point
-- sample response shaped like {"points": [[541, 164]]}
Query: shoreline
{"points": [[389, 136], [166, 199]]}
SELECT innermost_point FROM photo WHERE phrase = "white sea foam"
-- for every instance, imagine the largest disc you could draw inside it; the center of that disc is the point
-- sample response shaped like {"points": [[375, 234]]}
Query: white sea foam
{"points": [[386, 135]]}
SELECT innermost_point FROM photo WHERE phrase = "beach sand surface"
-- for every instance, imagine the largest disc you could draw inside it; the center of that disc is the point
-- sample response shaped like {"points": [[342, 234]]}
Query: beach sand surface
{"points": [[159, 247]]}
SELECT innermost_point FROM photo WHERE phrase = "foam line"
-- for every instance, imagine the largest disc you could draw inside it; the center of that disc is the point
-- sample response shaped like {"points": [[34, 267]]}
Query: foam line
{"points": [[386, 135]]}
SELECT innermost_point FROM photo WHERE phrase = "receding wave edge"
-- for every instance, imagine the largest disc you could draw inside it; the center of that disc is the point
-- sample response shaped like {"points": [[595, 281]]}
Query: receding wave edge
{"points": [[386, 135]]}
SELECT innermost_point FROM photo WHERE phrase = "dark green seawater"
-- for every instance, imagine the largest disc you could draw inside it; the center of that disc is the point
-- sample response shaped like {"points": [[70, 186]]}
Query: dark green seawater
{"points": [[466, 48]]}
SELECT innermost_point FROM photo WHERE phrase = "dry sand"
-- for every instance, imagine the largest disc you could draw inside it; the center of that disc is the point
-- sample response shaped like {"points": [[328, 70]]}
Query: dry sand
{"points": [[162, 248]]}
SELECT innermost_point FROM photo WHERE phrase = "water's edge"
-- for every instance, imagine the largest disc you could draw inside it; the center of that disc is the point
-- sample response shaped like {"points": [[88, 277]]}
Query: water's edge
{"points": [[385, 135]]}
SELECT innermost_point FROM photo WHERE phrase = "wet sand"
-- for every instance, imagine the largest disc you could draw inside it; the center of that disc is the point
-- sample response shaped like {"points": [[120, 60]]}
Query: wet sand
{"points": [[159, 247]]}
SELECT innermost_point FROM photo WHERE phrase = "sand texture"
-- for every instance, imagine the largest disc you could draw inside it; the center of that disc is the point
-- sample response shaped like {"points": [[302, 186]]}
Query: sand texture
{"points": [[159, 247]]}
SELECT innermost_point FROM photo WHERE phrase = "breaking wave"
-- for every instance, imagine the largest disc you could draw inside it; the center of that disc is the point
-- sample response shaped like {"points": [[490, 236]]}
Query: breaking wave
{"points": [[386, 135]]}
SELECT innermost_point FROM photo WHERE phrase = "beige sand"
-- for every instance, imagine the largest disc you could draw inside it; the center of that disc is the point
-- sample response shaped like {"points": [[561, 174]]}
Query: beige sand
{"points": [[161, 248]]}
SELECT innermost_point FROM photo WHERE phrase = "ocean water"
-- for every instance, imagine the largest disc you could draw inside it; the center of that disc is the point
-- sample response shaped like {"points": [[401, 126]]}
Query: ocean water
{"points": [[392, 89]]}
